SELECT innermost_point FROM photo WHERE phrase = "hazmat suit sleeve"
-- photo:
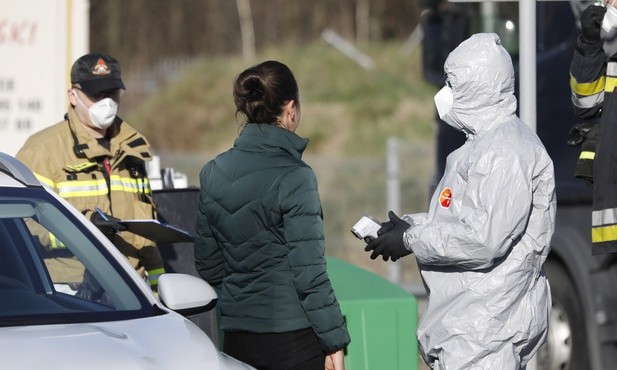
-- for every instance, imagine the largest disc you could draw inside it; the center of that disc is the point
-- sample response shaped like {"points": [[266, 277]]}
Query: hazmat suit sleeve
{"points": [[489, 215], [415, 219]]}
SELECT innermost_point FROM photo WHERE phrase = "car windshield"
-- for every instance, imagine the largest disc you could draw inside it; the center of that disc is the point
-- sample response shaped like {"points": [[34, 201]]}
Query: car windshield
{"points": [[53, 270]]}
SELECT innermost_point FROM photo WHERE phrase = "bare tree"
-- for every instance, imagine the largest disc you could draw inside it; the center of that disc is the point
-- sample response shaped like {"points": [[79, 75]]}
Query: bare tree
{"points": [[247, 29], [362, 21], [114, 24]]}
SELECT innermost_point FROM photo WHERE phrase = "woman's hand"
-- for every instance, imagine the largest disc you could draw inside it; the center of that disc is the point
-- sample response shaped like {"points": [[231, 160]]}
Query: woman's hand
{"points": [[335, 361]]}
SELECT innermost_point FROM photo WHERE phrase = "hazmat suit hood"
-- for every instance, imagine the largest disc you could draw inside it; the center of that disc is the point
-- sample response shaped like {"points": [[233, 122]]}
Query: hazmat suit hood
{"points": [[481, 76], [481, 247]]}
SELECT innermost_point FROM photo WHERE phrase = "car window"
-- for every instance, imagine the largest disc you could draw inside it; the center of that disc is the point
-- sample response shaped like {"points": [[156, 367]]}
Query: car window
{"points": [[52, 269]]}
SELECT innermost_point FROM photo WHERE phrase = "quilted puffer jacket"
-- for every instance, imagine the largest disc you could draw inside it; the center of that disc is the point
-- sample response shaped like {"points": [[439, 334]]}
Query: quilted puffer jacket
{"points": [[260, 239]]}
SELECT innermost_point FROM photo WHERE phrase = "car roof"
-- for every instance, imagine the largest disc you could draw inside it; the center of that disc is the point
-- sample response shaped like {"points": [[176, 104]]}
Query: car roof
{"points": [[13, 173], [7, 181]]}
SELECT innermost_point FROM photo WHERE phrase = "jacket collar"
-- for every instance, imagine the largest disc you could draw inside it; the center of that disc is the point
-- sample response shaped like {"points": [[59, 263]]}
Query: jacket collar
{"points": [[124, 140], [266, 137]]}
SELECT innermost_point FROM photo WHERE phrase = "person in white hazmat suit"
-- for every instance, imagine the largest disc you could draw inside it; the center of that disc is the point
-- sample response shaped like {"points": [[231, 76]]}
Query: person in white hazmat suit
{"points": [[482, 245]]}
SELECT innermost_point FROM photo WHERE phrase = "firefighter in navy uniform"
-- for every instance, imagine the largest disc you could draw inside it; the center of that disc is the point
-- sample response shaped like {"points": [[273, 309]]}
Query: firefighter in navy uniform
{"points": [[593, 79], [93, 159]]}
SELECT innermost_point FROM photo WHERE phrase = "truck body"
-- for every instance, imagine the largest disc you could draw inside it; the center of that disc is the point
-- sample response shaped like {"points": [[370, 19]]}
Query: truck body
{"points": [[39, 40], [583, 323]]}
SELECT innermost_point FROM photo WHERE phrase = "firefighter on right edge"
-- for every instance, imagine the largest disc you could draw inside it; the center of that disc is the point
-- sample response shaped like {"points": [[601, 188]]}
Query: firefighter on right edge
{"points": [[593, 79]]}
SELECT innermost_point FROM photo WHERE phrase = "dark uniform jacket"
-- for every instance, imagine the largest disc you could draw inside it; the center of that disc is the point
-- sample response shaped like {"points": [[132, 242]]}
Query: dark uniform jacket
{"points": [[67, 159], [260, 238], [593, 81]]}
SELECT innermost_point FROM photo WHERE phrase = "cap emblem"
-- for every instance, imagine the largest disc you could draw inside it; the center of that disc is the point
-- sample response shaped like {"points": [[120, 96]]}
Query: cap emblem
{"points": [[100, 69], [445, 197]]}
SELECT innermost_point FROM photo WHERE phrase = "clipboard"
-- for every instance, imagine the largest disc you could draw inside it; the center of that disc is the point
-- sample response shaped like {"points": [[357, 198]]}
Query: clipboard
{"points": [[157, 231]]}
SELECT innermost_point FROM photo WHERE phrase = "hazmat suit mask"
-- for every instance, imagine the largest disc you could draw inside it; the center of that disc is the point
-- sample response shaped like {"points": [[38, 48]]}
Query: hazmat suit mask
{"points": [[102, 113], [609, 22], [444, 99]]}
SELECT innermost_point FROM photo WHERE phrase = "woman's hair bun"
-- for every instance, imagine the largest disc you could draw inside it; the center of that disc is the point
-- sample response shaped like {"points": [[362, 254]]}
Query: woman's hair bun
{"points": [[252, 89]]}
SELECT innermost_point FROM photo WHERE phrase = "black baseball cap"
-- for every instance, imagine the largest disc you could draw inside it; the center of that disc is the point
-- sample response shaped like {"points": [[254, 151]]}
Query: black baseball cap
{"points": [[96, 72]]}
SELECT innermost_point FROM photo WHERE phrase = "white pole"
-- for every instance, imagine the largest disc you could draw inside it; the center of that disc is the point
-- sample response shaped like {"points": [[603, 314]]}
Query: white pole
{"points": [[527, 62], [393, 196], [347, 48], [527, 78], [488, 9], [412, 42]]}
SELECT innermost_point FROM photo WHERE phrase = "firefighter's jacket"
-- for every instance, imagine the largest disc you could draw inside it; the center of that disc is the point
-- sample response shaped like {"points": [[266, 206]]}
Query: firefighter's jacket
{"points": [[593, 80], [482, 245], [68, 160]]}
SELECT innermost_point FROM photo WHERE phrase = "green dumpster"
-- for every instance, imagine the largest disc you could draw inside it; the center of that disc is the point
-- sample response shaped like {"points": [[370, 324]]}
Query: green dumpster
{"points": [[381, 318]]}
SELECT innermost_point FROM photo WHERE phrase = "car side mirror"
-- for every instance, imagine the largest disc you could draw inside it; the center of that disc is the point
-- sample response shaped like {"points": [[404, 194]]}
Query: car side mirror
{"points": [[186, 294]]}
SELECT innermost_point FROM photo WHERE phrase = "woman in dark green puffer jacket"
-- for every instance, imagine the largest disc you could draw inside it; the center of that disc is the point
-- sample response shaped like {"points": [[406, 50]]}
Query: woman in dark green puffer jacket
{"points": [[260, 238]]}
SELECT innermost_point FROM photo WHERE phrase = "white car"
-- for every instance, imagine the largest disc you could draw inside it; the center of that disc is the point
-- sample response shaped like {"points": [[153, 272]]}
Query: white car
{"points": [[70, 300]]}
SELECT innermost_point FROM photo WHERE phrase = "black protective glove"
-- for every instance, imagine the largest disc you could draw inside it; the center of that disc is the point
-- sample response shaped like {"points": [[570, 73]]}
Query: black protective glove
{"points": [[591, 21], [585, 135], [389, 242], [581, 131], [109, 225]]}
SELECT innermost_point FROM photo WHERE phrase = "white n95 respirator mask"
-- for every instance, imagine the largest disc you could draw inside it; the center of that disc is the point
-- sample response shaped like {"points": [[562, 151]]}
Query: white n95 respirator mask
{"points": [[610, 18], [102, 113], [444, 100]]}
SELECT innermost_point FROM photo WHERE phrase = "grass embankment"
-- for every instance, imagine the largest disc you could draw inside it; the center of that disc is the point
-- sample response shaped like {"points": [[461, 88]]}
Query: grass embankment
{"points": [[347, 112]]}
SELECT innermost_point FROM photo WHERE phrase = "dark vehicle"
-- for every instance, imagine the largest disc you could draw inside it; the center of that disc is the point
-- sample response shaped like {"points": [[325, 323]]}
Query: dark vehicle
{"points": [[583, 326]]}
